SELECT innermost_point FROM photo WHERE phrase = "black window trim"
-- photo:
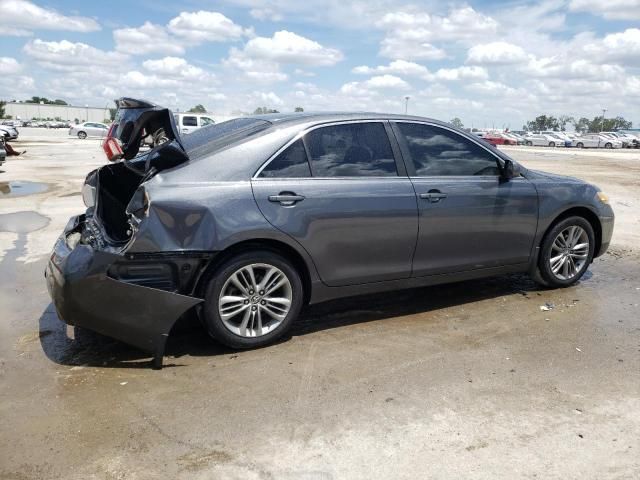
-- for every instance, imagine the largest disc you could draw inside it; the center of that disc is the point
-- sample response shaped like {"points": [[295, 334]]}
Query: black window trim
{"points": [[406, 155], [395, 150]]}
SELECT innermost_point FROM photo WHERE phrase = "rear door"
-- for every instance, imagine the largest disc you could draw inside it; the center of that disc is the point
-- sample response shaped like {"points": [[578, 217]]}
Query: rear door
{"points": [[343, 194], [469, 216]]}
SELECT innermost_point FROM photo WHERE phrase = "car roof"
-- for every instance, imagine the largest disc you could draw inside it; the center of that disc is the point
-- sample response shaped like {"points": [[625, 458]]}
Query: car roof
{"points": [[326, 117]]}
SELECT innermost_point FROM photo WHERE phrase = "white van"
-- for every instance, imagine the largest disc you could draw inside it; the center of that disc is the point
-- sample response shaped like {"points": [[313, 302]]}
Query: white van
{"points": [[188, 122]]}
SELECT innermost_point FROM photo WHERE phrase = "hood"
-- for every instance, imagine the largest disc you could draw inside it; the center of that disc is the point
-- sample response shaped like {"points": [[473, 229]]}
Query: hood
{"points": [[540, 176]]}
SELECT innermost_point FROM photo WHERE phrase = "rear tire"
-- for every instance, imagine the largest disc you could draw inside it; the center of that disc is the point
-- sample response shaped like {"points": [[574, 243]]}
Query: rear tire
{"points": [[242, 309], [565, 253], [82, 135]]}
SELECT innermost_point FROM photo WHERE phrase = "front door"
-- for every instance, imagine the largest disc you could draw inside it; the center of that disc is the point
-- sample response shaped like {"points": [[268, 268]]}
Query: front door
{"points": [[339, 193], [470, 217]]}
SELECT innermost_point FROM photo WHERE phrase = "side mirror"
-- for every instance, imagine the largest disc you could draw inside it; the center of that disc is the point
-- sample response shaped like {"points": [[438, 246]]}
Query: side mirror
{"points": [[510, 170]]}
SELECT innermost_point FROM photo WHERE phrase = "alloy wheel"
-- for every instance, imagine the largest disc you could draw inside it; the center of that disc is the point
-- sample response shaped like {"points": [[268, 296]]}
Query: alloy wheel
{"points": [[569, 252], [255, 300]]}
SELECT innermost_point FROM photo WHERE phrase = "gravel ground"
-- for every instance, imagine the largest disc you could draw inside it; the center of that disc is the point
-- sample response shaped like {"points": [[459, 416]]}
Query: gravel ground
{"points": [[470, 380]]}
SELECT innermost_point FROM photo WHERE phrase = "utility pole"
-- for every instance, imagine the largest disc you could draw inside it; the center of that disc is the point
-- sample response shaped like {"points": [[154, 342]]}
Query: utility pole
{"points": [[604, 110], [406, 104]]}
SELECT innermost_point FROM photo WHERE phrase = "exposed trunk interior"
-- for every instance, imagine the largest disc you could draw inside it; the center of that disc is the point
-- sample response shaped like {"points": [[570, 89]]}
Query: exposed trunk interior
{"points": [[116, 186]]}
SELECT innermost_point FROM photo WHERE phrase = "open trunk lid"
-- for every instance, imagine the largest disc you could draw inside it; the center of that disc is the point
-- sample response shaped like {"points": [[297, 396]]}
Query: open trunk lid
{"points": [[137, 122]]}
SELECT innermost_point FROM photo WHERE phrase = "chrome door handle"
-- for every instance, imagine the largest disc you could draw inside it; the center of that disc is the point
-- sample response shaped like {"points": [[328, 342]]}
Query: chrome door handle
{"points": [[433, 197], [286, 199]]}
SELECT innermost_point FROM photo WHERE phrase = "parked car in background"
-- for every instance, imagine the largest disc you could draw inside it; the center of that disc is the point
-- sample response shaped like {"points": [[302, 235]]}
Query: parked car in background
{"points": [[594, 140], [250, 219], [89, 129], [543, 140], [519, 139], [3, 152], [9, 132], [628, 141], [189, 122], [496, 138]]}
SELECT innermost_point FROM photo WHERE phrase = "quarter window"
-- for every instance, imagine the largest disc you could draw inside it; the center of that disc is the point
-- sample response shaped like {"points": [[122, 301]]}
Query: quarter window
{"points": [[206, 121], [292, 163], [351, 150], [436, 151]]}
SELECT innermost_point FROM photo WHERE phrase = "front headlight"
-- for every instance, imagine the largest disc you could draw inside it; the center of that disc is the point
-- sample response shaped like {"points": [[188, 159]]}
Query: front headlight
{"points": [[603, 197]]}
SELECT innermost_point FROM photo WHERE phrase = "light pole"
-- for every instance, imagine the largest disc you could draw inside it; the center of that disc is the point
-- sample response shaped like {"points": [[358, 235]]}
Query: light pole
{"points": [[604, 110], [406, 104]]}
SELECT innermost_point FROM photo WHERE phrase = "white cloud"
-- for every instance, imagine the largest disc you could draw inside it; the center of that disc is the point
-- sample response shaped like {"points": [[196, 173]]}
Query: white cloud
{"points": [[411, 34], [20, 17], [496, 53], [173, 66], [137, 80], [288, 47], [609, 9], [565, 68], [620, 47], [204, 26], [373, 85], [255, 69], [9, 66], [462, 73], [270, 98], [148, 38], [69, 56], [399, 67], [266, 14]]}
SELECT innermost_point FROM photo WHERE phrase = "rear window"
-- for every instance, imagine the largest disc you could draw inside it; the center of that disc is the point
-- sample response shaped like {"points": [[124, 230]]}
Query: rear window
{"points": [[190, 121], [220, 135]]}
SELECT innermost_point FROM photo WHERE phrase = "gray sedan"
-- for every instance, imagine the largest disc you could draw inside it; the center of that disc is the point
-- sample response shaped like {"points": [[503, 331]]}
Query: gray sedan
{"points": [[89, 129], [246, 221]]}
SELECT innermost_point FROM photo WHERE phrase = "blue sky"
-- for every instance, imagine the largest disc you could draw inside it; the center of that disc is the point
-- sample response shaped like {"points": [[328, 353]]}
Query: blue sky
{"points": [[489, 63]]}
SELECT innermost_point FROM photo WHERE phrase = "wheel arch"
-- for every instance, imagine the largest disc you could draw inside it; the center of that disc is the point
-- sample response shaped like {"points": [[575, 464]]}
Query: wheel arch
{"points": [[268, 244], [585, 213]]}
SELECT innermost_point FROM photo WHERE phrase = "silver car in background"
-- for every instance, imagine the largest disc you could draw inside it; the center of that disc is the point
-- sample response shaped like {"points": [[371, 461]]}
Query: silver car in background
{"points": [[596, 141], [89, 129]]}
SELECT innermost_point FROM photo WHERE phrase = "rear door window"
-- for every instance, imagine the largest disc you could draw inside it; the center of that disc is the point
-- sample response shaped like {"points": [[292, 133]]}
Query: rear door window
{"points": [[292, 163], [351, 150]]}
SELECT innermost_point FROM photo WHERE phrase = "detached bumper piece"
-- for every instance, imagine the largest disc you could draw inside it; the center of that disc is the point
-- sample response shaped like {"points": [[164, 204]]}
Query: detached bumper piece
{"points": [[134, 301]]}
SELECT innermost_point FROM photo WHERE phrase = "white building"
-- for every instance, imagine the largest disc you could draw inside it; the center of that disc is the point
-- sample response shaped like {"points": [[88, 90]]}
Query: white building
{"points": [[28, 111]]}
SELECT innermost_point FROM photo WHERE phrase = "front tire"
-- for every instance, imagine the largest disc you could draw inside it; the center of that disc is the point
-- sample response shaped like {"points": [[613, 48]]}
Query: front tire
{"points": [[252, 299], [552, 144], [82, 135], [566, 252], [580, 145], [529, 143], [608, 145]]}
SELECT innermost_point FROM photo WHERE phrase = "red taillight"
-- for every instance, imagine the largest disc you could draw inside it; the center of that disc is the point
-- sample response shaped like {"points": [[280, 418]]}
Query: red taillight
{"points": [[112, 149]]}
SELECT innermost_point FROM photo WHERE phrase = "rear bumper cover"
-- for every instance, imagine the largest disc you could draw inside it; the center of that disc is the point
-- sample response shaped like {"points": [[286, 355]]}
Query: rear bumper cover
{"points": [[85, 295]]}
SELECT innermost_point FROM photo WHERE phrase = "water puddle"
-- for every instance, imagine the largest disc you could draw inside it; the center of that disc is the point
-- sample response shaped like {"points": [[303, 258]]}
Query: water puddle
{"points": [[19, 188], [22, 222]]}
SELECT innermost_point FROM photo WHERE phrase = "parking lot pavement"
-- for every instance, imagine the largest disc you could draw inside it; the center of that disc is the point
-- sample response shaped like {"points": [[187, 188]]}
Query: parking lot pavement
{"points": [[469, 380]]}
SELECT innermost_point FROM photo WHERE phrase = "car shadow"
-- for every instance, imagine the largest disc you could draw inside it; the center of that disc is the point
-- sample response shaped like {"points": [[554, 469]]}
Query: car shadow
{"points": [[73, 346]]}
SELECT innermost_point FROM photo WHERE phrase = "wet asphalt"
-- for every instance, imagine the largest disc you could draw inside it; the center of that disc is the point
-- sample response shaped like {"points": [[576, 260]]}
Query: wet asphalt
{"points": [[468, 380]]}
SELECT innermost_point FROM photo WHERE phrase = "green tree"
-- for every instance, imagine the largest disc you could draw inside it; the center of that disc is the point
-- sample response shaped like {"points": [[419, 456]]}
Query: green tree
{"points": [[582, 125], [112, 114], [543, 122], [263, 110], [299, 109], [198, 109], [59, 102], [2, 104], [456, 122], [563, 120]]}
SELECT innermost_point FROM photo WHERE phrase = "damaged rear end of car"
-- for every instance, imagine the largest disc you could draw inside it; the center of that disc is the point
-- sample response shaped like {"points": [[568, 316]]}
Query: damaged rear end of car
{"points": [[103, 273]]}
